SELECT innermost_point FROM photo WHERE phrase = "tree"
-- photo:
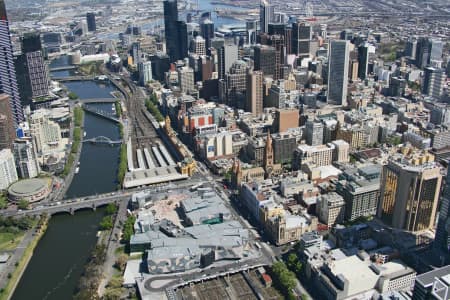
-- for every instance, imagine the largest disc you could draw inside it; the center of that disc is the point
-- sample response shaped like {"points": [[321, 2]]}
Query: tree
{"points": [[106, 223], [72, 96], [294, 264], [121, 262], [23, 204], [128, 228], [3, 202], [111, 209]]}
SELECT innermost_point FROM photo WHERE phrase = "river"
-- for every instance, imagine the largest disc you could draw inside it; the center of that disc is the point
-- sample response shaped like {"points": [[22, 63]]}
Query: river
{"points": [[59, 258]]}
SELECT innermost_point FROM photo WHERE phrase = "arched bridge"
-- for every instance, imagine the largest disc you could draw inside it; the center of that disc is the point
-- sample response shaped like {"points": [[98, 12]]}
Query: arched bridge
{"points": [[102, 140], [101, 113]]}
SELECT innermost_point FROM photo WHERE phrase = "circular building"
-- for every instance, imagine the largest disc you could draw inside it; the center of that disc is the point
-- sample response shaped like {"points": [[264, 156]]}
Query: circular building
{"points": [[31, 190]]}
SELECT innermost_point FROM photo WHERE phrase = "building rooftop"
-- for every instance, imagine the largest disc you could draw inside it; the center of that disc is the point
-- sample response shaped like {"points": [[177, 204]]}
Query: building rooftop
{"points": [[427, 279]]}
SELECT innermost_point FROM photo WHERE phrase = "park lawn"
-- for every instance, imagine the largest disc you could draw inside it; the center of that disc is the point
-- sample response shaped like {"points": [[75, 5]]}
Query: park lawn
{"points": [[6, 238]]}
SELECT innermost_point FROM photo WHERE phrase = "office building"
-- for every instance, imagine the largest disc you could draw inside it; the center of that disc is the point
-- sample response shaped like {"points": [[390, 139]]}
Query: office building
{"points": [[442, 236], [284, 145], [341, 151], [8, 173], [321, 155], [182, 40], [186, 79], [363, 61], [301, 39], [228, 54], [265, 59], [266, 15], [207, 31], [90, 20], [410, 186], [411, 48], [145, 72], [434, 82], [160, 65], [32, 72], [330, 209], [232, 88], [255, 92], [346, 35], [8, 80], [7, 132], [285, 119], [397, 86], [46, 133], [52, 41], [360, 188], [436, 52], [338, 276], [423, 52], [198, 46], [433, 285], [338, 66], [314, 133], [170, 28], [25, 158]]}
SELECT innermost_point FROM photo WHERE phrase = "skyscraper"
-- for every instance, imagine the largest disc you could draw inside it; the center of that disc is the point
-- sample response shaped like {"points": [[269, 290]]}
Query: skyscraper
{"points": [[7, 132], [182, 40], [422, 52], [436, 52], [266, 15], [265, 59], [410, 186], [198, 45], [170, 27], [90, 20], [8, 80], [32, 72], [314, 133], [186, 79], [8, 173], [434, 82], [207, 31], [26, 163], [338, 66], [145, 72], [228, 54], [442, 236], [301, 38], [363, 61], [255, 92]]}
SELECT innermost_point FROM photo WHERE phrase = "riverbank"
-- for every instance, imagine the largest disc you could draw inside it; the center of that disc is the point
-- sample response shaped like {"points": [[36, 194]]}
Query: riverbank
{"points": [[38, 231]]}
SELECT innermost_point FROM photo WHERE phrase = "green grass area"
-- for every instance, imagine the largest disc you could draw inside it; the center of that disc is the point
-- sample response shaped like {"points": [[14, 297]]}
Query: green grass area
{"points": [[123, 165], [22, 263], [118, 108], [10, 241], [78, 116]]}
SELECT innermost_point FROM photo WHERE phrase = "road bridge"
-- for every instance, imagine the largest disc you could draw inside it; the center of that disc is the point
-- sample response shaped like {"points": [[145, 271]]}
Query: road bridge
{"points": [[101, 113], [97, 100], [102, 140], [72, 78]]}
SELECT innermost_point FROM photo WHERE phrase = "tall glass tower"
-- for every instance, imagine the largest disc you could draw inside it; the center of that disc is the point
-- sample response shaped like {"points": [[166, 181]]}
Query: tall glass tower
{"points": [[171, 29], [8, 81]]}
